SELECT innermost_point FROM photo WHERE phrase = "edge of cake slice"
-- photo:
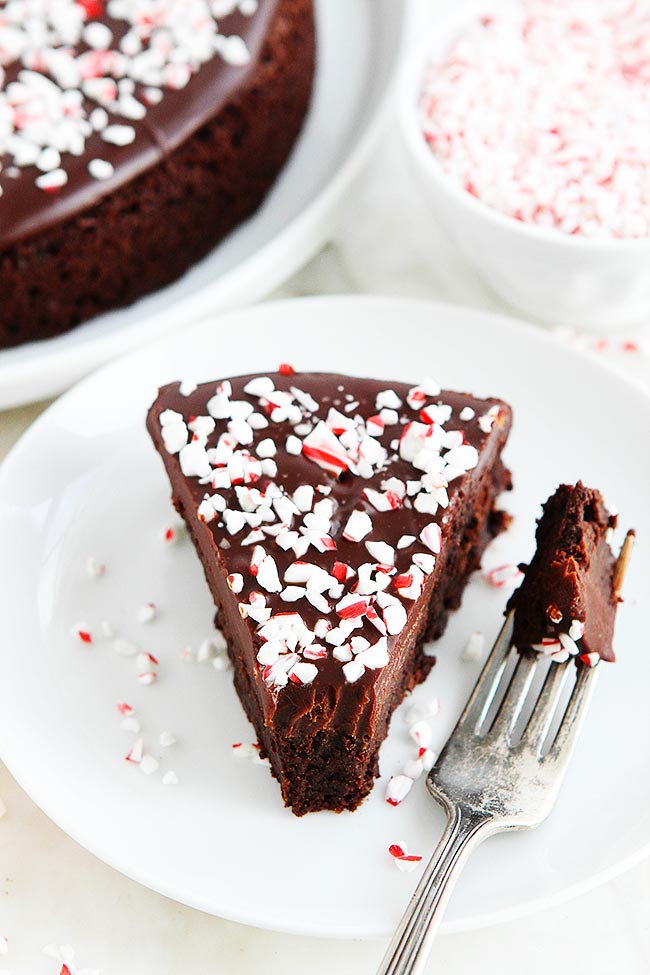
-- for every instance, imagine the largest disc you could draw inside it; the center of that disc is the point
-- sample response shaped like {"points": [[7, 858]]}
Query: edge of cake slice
{"points": [[566, 604], [337, 521]]}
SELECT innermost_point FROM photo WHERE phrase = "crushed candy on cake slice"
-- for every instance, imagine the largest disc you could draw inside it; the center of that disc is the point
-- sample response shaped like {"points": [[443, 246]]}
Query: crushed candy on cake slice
{"points": [[337, 520], [566, 605]]}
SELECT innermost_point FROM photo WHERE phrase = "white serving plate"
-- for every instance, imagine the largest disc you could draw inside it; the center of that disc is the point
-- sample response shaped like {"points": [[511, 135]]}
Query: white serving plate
{"points": [[359, 47], [84, 480]]}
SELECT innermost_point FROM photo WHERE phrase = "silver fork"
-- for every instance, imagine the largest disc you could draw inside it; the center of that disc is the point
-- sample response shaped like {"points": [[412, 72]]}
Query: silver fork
{"points": [[489, 782], [492, 776]]}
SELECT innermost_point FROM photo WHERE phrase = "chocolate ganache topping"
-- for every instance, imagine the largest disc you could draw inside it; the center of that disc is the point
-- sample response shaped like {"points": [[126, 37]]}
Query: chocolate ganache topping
{"points": [[95, 92], [326, 504]]}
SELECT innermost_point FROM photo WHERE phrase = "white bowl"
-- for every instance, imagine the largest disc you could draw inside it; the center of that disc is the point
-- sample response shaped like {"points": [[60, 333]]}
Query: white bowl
{"points": [[542, 273]]}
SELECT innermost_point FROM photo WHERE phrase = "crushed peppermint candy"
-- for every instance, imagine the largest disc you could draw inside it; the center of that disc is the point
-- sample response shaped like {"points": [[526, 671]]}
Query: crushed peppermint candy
{"points": [[147, 677], [402, 859], [303, 600], [125, 648], [422, 711], [427, 758], [172, 534], [421, 733], [397, 789], [414, 768], [540, 110], [137, 751], [474, 648], [82, 632], [52, 181], [147, 613], [145, 659], [101, 169], [249, 752], [503, 575], [64, 955], [62, 71], [94, 568], [148, 764], [589, 659], [564, 644], [209, 649]]}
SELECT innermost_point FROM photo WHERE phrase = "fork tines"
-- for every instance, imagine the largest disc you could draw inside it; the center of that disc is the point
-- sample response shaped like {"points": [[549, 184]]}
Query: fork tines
{"points": [[498, 703]]}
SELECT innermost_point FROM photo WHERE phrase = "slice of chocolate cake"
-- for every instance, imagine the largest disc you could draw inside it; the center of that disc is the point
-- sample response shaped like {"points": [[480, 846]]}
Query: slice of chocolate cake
{"points": [[567, 603], [337, 521]]}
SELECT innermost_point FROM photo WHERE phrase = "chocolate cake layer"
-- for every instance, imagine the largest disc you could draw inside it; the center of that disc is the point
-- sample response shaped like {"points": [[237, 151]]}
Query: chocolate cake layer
{"points": [[566, 603], [337, 521], [149, 180]]}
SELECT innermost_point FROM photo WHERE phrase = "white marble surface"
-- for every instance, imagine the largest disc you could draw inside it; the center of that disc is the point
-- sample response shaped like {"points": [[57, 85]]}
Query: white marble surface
{"points": [[53, 891]]}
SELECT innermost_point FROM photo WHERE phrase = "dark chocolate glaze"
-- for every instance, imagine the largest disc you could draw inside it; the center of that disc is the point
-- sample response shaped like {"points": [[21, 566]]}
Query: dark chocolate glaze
{"points": [[26, 210], [570, 575], [355, 707]]}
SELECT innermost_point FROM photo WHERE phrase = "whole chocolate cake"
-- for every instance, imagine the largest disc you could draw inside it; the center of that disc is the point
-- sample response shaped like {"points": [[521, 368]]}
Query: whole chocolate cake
{"points": [[566, 604], [337, 521], [134, 136]]}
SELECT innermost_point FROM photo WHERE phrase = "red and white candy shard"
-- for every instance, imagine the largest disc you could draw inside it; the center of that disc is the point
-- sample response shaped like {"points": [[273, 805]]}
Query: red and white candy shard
{"points": [[61, 953], [503, 575], [345, 594], [402, 859], [82, 632], [589, 659], [136, 753], [74, 70], [421, 733], [249, 752], [147, 677], [573, 146], [147, 613], [94, 568], [171, 534], [397, 789]]}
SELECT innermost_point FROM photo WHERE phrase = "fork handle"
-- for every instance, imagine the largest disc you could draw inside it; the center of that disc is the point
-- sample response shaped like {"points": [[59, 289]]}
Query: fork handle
{"points": [[411, 944]]}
